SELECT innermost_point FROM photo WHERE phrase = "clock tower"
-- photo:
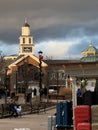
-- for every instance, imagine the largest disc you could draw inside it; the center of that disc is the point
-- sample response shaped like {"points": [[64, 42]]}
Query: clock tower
{"points": [[26, 45]]}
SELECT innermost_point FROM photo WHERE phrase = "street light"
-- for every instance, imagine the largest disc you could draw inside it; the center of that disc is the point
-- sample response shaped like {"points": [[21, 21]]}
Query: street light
{"points": [[6, 84], [40, 72], [16, 81], [6, 75]]}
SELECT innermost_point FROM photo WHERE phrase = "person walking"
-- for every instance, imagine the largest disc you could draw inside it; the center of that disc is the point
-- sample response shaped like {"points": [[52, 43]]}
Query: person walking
{"points": [[13, 109]]}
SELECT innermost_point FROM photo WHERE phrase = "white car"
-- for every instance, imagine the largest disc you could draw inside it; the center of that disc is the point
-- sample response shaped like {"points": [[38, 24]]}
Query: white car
{"points": [[52, 91]]}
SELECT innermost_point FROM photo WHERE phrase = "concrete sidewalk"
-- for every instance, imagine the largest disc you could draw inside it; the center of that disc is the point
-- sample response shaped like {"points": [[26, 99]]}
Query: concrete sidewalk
{"points": [[27, 122]]}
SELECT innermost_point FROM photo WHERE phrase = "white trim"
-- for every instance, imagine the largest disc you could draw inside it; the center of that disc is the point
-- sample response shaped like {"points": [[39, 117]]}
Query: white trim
{"points": [[25, 56]]}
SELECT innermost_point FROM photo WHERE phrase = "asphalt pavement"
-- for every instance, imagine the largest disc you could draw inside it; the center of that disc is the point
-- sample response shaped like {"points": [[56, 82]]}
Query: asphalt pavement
{"points": [[28, 122]]}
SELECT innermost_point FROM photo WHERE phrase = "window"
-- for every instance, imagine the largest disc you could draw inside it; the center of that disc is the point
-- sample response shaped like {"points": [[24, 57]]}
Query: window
{"points": [[52, 76], [29, 40], [23, 40]]}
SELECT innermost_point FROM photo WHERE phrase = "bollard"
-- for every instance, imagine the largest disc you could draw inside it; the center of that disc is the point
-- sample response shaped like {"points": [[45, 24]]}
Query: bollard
{"points": [[51, 122]]}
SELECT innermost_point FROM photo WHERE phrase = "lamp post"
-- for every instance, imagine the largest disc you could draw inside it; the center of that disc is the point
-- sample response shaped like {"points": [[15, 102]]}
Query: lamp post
{"points": [[16, 81], [5, 83], [40, 72]]}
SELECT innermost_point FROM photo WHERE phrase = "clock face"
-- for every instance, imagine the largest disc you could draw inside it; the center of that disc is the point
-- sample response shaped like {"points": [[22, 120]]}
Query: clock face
{"points": [[27, 49]]}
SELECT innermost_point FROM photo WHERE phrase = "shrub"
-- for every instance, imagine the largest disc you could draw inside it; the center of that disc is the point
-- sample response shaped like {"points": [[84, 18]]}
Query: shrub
{"points": [[64, 91]]}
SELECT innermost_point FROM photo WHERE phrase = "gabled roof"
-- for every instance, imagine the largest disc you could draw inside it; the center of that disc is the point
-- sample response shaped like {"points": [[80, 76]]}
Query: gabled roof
{"points": [[22, 58], [13, 63]]}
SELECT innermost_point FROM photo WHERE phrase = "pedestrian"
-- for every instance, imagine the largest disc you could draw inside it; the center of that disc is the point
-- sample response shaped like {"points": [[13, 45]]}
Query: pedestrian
{"points": [[35, 91], [19, 109], [13, 109]]}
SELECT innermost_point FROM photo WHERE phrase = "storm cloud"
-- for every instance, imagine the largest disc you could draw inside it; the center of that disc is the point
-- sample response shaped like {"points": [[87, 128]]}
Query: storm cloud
{"points": [[51, 21]]}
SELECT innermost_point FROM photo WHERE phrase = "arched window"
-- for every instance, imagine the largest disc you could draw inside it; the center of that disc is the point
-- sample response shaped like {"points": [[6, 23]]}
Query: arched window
{"points": [[29, 40], [23, 40]]}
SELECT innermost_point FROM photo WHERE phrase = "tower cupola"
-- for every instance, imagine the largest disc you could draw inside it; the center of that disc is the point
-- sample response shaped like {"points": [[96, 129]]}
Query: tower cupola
{"points": [[26, 29], [26, 41]]}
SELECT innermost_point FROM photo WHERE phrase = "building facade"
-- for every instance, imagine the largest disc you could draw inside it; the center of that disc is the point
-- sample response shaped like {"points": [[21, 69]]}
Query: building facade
{"points": [[22, 70], [61, 72]]}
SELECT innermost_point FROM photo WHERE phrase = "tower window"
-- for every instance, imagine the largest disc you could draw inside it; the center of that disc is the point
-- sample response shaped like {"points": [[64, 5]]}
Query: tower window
{"points": [[29, 40], [23, 40]]}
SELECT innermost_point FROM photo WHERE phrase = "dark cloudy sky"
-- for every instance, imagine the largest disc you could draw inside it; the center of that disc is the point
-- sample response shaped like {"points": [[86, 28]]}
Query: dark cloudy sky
{"points": [[61, 28]]}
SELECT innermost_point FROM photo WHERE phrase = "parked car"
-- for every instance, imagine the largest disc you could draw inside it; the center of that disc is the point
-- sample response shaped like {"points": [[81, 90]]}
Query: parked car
{"points": [[52, 91]]}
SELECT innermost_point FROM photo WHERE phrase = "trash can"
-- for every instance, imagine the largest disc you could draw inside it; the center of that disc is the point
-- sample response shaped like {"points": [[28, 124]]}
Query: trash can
{"points": [[64, 114]]}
